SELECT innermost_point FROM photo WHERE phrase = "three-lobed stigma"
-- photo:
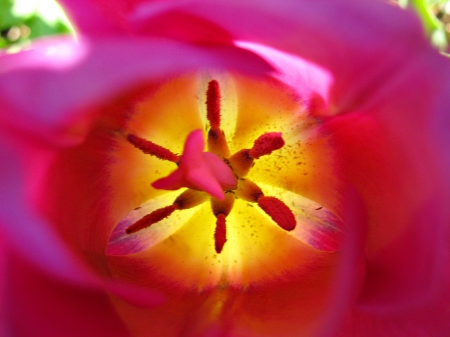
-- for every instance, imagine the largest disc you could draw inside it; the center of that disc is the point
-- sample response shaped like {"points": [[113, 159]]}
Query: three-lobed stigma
{"points": [[214, 175]]}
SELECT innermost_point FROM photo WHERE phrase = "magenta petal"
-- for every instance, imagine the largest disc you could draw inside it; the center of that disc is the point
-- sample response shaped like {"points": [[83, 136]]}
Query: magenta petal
{"points": [[401, 273], [41, 306], [34, 239], [3, 262], [311, 82], [25, 230], [91, 18], [328, 33], [404, 195], [350, 268], [42, 90]]}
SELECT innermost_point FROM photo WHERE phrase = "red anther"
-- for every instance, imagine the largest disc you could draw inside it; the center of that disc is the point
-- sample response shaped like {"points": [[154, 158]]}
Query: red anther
{"points": [[151, 219], [267, 143], [213, 104], [220, 234], [278, 211], [153, 149]]}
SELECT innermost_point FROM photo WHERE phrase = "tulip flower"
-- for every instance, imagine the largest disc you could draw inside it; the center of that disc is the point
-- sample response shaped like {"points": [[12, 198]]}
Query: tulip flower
{"points": [[226, 168]]}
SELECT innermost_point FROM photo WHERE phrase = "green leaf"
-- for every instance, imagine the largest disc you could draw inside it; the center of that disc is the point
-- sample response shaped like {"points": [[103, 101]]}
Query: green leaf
{"points": [[24, 20]]}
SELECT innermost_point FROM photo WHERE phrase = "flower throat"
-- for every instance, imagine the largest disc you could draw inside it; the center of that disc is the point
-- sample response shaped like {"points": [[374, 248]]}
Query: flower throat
{"points": [[215, 175]]}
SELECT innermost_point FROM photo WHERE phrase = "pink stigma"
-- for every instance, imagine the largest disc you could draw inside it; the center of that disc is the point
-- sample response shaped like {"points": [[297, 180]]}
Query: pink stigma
{"points": [[198, 170]]}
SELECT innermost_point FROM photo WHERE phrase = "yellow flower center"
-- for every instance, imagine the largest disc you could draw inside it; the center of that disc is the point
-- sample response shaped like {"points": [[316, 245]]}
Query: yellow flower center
{"points": [[261, 221]]}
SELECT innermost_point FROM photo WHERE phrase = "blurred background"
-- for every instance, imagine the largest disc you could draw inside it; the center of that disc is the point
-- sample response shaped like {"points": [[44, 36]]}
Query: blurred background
{"points": [[24, 20]]}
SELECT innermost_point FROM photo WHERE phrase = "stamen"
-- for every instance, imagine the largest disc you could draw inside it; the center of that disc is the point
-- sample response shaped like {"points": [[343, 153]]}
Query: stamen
{"points": [[151, 218], [275, 208], [217, 142], [190, 198], [153, 149], [241, 162], [185, 200], [266, 144], [221, 208], [220, 234], [248, 191], [278, 211], [213, 104]]}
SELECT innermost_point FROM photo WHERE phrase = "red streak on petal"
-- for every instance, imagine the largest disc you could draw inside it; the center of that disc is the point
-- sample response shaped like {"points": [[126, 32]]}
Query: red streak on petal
{"points": [[267, 143], [278, 211], [213, 104], [220, 234], [151, 219], [153, 149]]}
